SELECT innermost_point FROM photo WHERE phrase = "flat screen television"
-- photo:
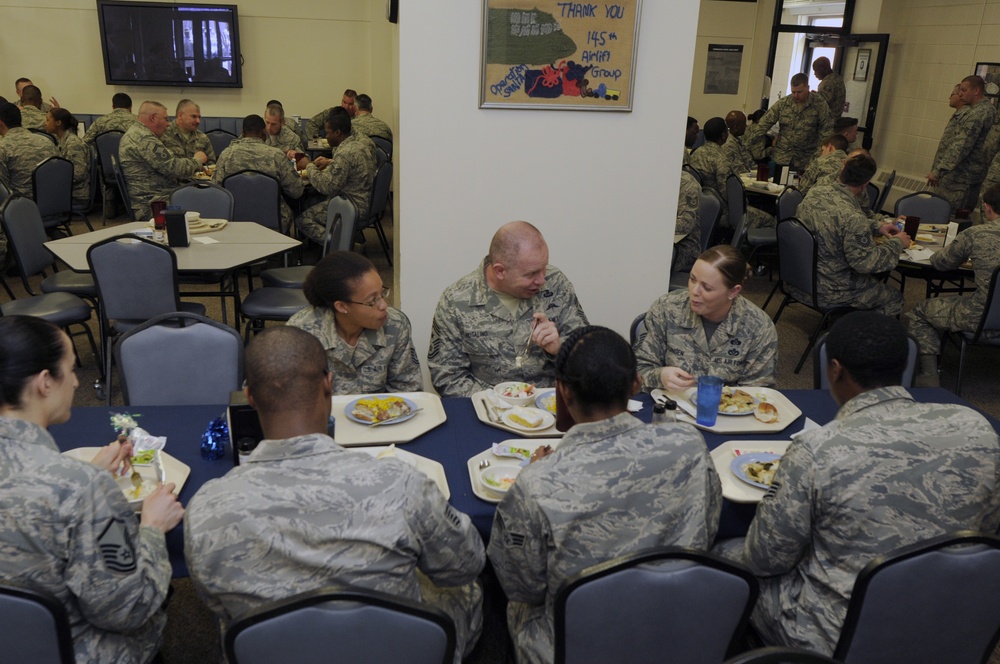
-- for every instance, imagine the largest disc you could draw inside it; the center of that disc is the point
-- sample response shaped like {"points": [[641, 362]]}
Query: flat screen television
{"points": [[159, 43]]}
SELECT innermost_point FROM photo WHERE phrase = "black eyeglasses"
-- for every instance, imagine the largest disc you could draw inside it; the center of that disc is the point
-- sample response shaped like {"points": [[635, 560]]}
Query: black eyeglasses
{"points": [[383, 297]]}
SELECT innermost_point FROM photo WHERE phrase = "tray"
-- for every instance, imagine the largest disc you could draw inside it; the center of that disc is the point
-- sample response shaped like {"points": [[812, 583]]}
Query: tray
{"points": [[428, 467], [479, 404], [353, 434], [173, 470], [725, 424], [201, 225], [733, 488], [479, 488]]}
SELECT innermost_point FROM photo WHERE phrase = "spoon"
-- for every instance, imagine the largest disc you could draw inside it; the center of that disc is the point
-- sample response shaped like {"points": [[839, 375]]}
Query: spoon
{"points": [[485, 463]]}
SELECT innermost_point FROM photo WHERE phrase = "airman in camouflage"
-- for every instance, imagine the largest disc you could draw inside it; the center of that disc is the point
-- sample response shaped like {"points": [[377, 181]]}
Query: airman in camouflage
{"points": [[383, 360], [73, 148], [847, 255], [688, 203], [961, 161], [182, 136], [831, 86], [119, 119], [981, 245], [715, 167], [745, 145], [65, 528], [612, 487], [350, 172], [151, 170], [367, 123], [317, 123], [886, 473], [32, 118], [251, 153], [279, 135], [743, 350], [302, 513], [503, 321], [827, 165], [20, 152], [804, 120]]}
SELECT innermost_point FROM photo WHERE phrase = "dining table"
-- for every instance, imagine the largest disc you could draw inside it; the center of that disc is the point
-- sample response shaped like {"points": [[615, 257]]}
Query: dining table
{"points": [[914, 262], [462, 436]]}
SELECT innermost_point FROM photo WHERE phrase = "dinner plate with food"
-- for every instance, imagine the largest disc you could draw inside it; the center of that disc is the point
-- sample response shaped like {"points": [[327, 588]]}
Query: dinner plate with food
{"points": [[381, 419], [771, 411], [530, 420], [740, 465], [492, 472], [152, 466]]}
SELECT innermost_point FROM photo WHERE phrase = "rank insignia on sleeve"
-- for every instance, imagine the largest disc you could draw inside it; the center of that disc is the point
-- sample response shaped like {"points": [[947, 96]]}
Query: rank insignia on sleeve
{"points": [[116, 547]]}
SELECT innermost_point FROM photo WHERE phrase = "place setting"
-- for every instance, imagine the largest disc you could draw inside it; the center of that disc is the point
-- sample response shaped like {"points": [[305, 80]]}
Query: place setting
{"points": [[429, 467], [381, 419], [746, 467], [519, 408], [492, 472], [731, 409]]}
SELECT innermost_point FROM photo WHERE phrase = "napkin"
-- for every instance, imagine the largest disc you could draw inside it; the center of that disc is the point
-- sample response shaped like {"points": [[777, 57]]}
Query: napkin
{"points": [[205, 240], [919, 254], [634, 406], [808, 426]]}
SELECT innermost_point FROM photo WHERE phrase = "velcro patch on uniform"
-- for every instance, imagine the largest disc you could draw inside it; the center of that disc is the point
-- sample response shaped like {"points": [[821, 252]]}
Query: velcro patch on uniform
{"points": [[116, 547], [453, 517]]}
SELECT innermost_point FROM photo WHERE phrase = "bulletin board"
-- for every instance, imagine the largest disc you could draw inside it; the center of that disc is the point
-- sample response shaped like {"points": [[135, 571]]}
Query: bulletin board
{"points": [[541, 54]]}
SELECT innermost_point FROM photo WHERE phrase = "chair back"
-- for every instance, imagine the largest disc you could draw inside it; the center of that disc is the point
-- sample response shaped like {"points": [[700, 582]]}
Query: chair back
{"points": [[179, 359], [991, 314], [52, 181], [257, 197], [35, 627], [788, 202], [930, 207], [637, 332], [341, 218], [220, 140], [691, 605], [26, 234], [797, 257], [4, 192], [873, 195], [386, 146], [380, 195], [136, 278], [352, 626], [207, 199], [935, 601], [380, 156], [877, 207], [42, 132], [692, 171], [107, 146], [122, 185], [709, 213], [736, 200], [780, 655], [820, 381]]}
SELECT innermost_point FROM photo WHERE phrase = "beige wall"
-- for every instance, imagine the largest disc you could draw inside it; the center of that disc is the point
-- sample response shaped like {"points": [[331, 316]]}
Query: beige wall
{"points": [[304, 53]]}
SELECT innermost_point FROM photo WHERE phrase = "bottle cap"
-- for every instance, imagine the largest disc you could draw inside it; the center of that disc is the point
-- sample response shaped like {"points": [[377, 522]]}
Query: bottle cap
{"points": [[671, 404]]}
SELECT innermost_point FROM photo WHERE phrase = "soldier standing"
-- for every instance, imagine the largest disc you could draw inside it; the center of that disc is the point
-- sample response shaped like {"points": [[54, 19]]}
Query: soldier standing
{"points": [[831, 86], [804, 120]]}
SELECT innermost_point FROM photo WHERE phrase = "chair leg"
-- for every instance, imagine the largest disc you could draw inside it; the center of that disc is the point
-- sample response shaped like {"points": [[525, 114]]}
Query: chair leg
{"points": [[781, 308], [771, 294], [812, 341], [384, 240], [961, 364], [7, 288]]}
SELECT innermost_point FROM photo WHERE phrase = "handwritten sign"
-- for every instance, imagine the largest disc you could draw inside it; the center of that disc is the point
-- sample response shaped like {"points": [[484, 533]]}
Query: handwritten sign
{"points": [[558, 55]]}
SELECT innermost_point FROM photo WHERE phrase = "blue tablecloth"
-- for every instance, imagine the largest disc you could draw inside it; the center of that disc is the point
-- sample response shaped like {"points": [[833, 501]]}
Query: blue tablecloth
{"points": [[452, 444]]}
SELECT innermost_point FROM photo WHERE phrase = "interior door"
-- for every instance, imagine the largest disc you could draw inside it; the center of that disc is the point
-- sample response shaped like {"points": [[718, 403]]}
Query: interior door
{"points": [[862, 66]]}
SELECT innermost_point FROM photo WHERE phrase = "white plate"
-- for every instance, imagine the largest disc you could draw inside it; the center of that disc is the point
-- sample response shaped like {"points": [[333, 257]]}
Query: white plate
{"points": [[722, 456], [173, 470], [484, 492], [428, 467], [480, 405], [548, 419]]}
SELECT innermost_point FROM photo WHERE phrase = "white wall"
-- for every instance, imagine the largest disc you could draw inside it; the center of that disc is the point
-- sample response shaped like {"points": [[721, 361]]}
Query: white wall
{"points": [[601, 186]]}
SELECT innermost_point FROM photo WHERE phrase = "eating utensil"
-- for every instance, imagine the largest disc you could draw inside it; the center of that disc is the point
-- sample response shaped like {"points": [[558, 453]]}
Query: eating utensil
{"points": [[485, 463], [393, 419]]}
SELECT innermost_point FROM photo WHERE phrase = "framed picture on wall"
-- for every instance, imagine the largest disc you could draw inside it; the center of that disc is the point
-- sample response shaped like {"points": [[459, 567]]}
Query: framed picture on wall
{"points": [[543, 54], [990, 73], [862, 63]]}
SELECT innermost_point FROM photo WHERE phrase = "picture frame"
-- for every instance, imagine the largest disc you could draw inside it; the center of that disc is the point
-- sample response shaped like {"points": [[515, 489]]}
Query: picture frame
{"points": [[990, 73], [862, 63], [548, 55]]}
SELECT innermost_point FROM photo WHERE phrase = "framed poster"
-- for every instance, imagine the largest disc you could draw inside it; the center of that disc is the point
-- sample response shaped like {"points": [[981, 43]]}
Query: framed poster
{"points": [[541, 54], [990, 73], [861, 64]]}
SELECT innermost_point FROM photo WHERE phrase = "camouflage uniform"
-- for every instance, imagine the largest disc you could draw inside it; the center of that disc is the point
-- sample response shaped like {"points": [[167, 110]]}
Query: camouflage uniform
{"points": [[296, 128], [253, 154], [46, 106], [66, 528], [20, 152], [32, 118], [151, 170], [802, 129], [863, 200], [383, 360], [475, 339], [822, 168], [350, 173], [369, 125], [688, 203], [847, 255], [317, 123], [739, 153], [120, 119], [961, 160], [286, 140], [834, 92], [185, 144], [888, 472], [743, 349], [612, 487], [954, 314], [73, 148], [715, 169], [304, 513]]}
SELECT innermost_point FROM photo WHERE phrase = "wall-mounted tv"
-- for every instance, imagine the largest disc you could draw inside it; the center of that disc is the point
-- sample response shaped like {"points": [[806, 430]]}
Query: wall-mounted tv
{"points": [[158, 43]]}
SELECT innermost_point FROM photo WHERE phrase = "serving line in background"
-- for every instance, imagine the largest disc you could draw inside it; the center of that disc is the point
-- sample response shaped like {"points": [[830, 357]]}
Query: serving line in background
{"points": [[233, 246], [461, 437]]}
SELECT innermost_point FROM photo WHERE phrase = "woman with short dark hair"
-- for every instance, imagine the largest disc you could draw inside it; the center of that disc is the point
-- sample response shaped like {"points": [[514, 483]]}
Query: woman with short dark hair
{"points": [[60, 123]]}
